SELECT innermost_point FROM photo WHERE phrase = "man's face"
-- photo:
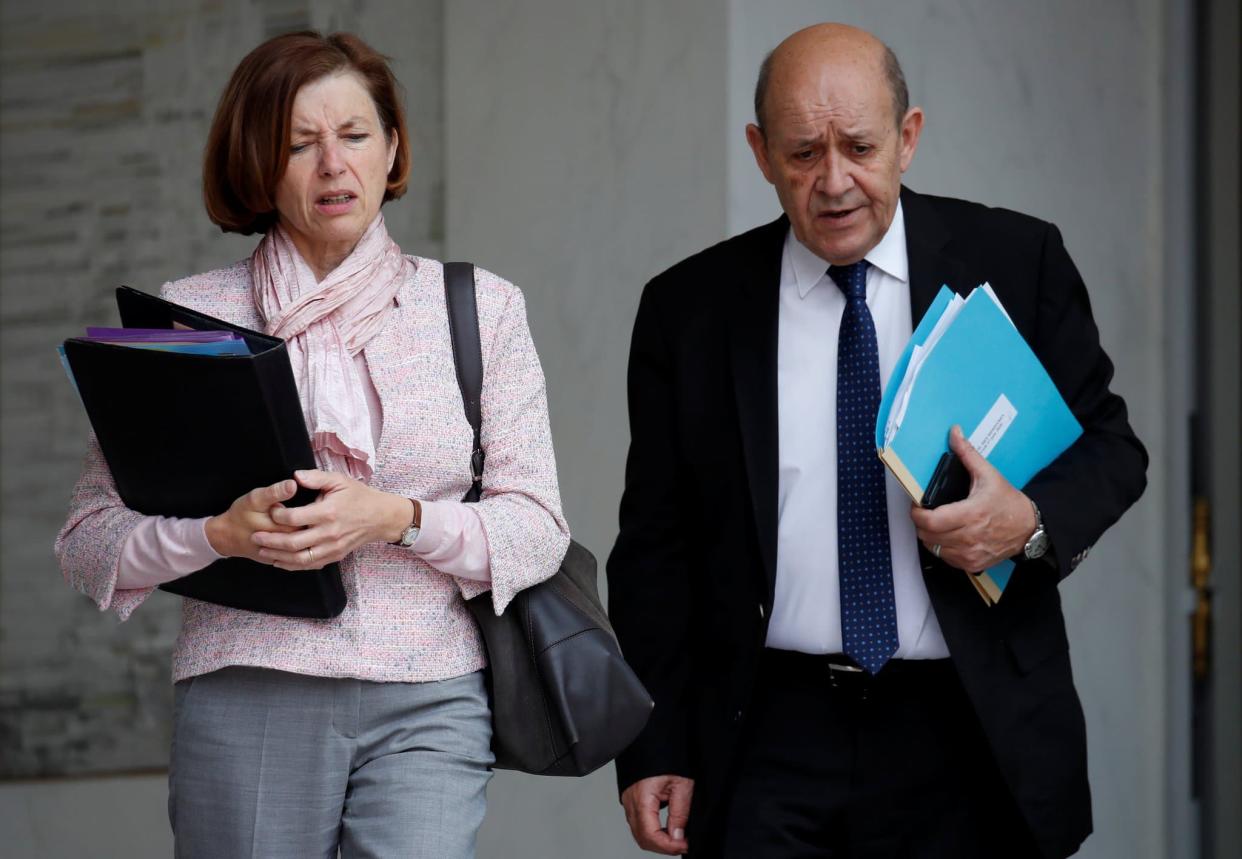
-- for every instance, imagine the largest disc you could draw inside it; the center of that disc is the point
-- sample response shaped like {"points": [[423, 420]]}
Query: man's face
{"points": [[834, 152]]}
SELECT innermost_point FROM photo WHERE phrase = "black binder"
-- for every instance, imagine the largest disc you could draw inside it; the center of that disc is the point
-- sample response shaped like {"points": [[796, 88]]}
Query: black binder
{"points": [[185, 435]]}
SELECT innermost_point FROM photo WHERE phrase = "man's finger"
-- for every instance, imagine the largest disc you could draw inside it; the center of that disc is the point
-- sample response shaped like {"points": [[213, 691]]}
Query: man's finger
{"points": [[975, 464], [943, 519], [947, 537], [679, 809], [646, 825]]}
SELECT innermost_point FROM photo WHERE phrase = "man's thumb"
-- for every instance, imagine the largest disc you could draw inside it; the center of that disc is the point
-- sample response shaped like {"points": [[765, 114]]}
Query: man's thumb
{"points": [[975, 464], [679, 806]]}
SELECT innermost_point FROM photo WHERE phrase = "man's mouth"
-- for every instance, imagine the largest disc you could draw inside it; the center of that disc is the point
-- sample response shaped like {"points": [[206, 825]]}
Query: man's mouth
{"points": [[838, 214]]}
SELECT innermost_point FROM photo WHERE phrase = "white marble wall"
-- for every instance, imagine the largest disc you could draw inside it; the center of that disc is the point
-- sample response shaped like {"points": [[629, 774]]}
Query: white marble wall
{"points": [[584, 153]]}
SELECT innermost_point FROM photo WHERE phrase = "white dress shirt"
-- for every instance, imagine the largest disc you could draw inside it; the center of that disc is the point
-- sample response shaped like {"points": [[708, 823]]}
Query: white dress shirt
{"points": [[806, 614]]}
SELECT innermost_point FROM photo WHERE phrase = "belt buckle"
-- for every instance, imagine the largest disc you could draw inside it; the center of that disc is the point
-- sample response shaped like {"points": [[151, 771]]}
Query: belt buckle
{"points": [[849, 678]]}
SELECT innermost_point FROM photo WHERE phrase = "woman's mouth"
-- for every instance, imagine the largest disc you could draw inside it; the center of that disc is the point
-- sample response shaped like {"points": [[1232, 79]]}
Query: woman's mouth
{"points": [[335, 204]]}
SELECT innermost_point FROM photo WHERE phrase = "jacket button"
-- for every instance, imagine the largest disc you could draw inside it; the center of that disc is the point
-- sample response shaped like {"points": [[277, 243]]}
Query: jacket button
{"points": [[737, 717]]}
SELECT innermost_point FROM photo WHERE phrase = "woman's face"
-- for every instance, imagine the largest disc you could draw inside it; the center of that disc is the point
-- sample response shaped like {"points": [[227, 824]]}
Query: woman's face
{"points": [[339, 161]]}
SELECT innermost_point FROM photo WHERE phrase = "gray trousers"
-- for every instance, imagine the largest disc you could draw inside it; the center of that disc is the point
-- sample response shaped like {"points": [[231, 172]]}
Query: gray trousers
{"points": [[271, 764]]}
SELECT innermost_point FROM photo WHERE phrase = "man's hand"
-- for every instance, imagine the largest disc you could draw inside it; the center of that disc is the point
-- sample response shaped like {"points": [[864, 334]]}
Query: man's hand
{"points": [[642, 802], [348, 514], [991, 524]]}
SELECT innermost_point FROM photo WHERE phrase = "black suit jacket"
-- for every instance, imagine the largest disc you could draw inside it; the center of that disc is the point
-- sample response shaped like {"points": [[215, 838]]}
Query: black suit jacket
{"points": [[692, 574]]}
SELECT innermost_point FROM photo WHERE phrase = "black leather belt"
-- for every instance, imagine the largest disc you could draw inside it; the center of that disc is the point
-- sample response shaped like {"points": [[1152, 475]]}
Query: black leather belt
{"points": [[838, 671]]}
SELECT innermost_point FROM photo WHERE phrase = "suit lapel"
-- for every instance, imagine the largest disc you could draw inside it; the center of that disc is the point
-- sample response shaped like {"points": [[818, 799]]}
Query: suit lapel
{"points": [[930, 265], [752, 326]]}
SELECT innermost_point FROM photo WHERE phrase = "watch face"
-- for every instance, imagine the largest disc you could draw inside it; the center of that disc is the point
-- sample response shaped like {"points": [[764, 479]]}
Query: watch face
{"points": [[1037, 546], [409, 536]]}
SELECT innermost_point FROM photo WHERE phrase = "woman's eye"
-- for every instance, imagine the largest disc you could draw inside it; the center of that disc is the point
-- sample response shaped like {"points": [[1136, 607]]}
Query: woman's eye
{"points": [[357, 138], [297, 147]]}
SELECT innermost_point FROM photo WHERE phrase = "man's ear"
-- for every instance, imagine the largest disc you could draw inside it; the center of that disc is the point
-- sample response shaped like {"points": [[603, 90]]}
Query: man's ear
{"points": [[759, 145], [911, 128]]}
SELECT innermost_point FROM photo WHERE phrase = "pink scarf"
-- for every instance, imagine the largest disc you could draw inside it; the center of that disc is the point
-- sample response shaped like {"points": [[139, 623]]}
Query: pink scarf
{"points": [[325, 325]]}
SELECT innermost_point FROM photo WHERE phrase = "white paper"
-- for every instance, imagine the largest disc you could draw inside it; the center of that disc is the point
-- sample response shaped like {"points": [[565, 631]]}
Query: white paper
{"points": [[987, 287], [993, 426]]}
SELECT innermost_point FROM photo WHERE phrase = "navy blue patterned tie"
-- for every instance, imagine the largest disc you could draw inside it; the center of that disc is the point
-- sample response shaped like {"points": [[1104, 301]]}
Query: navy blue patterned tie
{"points": [[868, 614]]}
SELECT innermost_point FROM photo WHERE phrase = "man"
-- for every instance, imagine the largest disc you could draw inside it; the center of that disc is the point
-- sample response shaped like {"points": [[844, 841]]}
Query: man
{"points": [[827, 680]]}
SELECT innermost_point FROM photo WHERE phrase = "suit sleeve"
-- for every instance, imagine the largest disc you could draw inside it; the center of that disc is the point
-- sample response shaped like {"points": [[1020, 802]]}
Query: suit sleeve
{"points": [[520, 511], [648, 570], [1085, 490], [91, 541]]}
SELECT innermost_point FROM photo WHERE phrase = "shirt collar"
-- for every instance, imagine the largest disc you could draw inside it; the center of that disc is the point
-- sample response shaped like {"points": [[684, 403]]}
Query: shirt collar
{"points": [[889, 256]]}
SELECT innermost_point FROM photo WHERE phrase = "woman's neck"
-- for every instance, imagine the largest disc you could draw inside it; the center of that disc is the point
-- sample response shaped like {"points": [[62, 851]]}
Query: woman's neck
{"points": [[321, 258]]}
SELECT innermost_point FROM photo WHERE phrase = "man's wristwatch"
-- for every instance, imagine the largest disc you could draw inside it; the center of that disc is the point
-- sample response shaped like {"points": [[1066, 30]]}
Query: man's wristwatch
{"points": [[1037, 545], [410, 534]]}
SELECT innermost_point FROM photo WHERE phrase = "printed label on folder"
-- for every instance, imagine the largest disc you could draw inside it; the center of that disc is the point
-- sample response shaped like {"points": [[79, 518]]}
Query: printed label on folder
{"points": [[992, 428]]}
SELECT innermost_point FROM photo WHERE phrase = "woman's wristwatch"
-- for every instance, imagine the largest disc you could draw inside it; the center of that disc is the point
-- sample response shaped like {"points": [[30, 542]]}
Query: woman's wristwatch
{"points": [[410, 534]]}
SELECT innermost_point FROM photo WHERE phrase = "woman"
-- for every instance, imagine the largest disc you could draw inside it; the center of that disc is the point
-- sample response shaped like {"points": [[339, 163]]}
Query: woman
{"points": [[370, 731]]}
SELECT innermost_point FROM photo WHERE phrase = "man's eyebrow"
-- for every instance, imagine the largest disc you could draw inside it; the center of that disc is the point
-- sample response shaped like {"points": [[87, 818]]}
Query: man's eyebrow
{"points": [[800, 142]]}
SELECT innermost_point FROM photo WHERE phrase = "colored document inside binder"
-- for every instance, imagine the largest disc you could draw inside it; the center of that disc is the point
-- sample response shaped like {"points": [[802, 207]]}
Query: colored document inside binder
{"points": [[967, 364], [185, 341]]}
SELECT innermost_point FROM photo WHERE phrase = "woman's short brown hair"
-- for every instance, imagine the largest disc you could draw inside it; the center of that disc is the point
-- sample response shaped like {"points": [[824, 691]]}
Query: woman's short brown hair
{"points": [[248, 146]]}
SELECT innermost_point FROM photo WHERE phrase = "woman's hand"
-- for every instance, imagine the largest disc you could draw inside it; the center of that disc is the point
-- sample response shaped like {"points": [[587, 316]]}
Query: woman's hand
{"points": [[347, 515], [231, 533]]}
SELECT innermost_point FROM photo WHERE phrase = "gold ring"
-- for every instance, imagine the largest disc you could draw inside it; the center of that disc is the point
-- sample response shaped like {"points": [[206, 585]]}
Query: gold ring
{"points": [[936, 550], [310, 555]]}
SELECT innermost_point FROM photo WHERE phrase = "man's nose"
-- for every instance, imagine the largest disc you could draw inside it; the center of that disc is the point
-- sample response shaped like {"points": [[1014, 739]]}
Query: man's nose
{"points": [[836, 178]]}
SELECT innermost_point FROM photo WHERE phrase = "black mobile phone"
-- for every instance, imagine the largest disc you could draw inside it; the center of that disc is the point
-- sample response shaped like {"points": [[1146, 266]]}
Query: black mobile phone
{"points": [[949, 482]]}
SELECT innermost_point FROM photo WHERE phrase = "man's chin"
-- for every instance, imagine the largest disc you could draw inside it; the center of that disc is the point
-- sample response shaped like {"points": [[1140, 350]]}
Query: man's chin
{"points": [[839, 252], [841, 244]]}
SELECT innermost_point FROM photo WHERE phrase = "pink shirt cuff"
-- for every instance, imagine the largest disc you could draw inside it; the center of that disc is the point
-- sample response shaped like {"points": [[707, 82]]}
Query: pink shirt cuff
{"points": [[161, 549], [453, 541]]}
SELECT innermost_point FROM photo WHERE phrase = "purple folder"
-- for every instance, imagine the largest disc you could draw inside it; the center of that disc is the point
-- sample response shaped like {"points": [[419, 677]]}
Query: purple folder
{"points": [[157, 335]]}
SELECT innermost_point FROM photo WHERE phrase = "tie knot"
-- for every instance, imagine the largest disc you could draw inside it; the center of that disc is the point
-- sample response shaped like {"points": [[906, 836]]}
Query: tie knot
{"points": [[852, 278]]}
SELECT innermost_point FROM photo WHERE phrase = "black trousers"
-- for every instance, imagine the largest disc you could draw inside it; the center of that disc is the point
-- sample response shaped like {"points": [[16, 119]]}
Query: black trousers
{"points": [[846, 766]]}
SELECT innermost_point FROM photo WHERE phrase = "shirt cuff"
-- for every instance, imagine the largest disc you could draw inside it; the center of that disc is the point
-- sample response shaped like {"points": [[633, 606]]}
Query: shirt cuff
{"points": [[451, 539], [162, 549]]}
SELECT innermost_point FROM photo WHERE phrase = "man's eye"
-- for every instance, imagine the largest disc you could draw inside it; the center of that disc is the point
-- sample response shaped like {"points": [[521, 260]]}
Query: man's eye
{"points": [[861, 148], [804, 155]]}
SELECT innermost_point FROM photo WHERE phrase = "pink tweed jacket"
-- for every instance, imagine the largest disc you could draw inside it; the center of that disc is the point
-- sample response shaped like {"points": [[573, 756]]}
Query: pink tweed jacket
{"points": [[405, 621]]}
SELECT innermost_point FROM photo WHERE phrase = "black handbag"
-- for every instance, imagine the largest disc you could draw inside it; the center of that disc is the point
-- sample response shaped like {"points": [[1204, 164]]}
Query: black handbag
{"points": [[564, 701]]}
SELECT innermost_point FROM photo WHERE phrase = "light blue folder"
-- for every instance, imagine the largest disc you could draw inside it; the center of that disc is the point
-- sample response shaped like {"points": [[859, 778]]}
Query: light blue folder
{"points": [[235, 346], [979, 358]]}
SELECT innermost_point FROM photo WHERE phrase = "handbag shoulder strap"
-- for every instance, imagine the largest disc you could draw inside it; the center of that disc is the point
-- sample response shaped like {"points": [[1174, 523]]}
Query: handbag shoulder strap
{"points": [[463, 319]]}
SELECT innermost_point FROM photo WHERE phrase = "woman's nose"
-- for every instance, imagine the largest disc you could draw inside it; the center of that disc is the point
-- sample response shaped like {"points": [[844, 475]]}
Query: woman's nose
{"points": [[331, 161]]}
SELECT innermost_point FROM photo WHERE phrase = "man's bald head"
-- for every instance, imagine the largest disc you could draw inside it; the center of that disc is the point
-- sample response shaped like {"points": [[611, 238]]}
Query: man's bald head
{"points": [[824, 41]]}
